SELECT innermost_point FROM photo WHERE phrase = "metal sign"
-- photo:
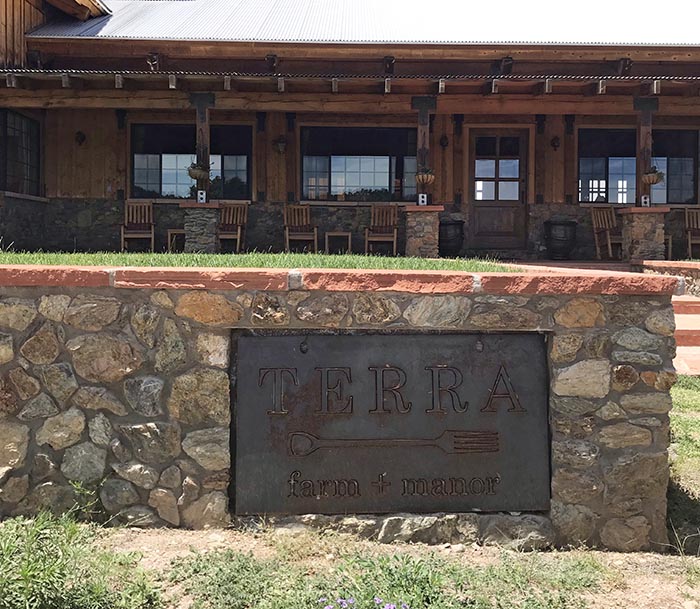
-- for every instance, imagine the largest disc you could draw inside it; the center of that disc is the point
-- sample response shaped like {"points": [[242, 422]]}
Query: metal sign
{"points": [[389, 423]]}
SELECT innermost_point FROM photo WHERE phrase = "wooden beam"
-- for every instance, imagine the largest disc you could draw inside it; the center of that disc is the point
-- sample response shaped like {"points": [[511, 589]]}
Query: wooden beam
{"points": [[360, 103], [251, 50]]}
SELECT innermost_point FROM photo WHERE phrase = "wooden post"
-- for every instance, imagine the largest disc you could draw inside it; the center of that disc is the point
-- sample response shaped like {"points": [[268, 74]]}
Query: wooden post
{"points": [[424, 104], [202, 102], [202, 221], [646, 106]]}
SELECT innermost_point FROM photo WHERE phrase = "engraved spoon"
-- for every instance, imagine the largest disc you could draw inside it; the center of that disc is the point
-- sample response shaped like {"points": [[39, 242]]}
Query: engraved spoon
{"points": [[302, 443]]}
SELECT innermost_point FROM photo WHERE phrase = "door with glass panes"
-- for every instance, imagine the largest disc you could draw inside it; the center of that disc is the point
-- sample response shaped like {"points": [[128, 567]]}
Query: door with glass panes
{"points": [[498, 189]]}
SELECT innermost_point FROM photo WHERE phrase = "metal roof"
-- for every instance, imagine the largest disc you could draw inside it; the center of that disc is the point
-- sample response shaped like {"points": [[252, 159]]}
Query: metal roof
{"points": [[441, 22]]}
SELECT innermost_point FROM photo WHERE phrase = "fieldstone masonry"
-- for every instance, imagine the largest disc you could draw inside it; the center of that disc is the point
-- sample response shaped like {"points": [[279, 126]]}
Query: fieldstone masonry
{"points": [[127, 391], [422, 230], [201, 230], [643, 233]]}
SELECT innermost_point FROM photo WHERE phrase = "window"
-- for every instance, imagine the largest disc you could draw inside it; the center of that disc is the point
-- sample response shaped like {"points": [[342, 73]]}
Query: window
{"points": [[358, 164], [674, 152], [19, 154], [161, 155], [497, 168], [608, 165]]}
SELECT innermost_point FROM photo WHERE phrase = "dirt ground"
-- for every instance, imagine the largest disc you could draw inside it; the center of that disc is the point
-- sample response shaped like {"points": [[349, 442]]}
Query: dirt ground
{"points": [[639, 581]]}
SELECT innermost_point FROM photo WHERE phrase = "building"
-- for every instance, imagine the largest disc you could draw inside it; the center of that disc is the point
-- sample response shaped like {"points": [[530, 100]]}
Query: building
{"points": [[340, 104]]}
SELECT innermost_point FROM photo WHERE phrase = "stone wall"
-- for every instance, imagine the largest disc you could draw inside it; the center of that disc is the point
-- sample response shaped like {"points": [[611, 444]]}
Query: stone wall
{"points": [[118, 379], [93, 224], [690, 271]]}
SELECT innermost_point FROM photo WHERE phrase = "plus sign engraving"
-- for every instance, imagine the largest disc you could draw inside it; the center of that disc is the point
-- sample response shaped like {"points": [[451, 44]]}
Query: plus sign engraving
{"points": [[376, 424]]}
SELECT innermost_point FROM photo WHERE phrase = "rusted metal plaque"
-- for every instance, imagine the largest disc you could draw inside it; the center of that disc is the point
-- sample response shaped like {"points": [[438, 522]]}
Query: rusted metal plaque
{"points": [[390, 423]]}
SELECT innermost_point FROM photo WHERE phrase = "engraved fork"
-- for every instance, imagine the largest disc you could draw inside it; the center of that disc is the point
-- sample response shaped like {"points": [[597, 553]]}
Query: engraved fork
{"points": [[302, 443]]}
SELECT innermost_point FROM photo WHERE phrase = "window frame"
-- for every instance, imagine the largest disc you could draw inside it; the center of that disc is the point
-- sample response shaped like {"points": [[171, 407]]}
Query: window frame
{"points": [[145, 119], [622, 126], [4, 156], [350, 125]]}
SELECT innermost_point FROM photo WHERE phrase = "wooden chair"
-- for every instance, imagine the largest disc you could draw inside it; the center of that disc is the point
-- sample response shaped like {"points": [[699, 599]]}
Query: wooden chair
{"points": [[234, 217], [692, 228], [605, 225], [383, 227], [298, 227], [138, 222]]}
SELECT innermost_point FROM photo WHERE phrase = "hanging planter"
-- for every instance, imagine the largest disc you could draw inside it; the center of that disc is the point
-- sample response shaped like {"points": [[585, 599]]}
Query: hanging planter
{"points": [[198, 172], [425, 177], [653, 176]]}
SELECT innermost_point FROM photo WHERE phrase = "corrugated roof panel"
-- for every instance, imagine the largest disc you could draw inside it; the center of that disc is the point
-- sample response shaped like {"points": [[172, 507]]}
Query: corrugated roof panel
{"points": [[388, 22]]}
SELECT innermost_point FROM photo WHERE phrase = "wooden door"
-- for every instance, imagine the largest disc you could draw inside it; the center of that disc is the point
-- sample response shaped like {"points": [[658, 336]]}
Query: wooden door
{"points": [[498, 189]]}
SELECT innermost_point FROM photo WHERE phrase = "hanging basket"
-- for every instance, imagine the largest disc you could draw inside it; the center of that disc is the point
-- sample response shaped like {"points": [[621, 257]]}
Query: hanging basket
{"points": [[653, 177], [197, 172], [425, 179]]}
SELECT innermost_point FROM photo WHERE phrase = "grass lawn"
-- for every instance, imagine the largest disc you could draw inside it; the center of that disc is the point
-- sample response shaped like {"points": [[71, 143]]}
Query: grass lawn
{"points": [[257, 259], [684, 493]]}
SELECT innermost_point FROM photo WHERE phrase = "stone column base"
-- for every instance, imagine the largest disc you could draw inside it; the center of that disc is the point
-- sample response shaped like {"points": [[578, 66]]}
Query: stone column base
{"points": [[201, 230], [422, 230], [643, 233]]}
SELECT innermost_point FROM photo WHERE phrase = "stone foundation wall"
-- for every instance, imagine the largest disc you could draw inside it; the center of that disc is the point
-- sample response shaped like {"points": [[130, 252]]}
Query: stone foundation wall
{"points": [[119, 380], [93, 224]]}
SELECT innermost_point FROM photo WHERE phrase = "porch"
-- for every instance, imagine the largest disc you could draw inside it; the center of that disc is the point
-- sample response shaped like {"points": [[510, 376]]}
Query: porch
{"points": [[506, 153]]}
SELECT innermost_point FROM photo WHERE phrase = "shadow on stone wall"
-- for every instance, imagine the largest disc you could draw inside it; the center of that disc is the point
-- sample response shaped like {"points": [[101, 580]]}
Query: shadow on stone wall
{"points": [[683, 519]]}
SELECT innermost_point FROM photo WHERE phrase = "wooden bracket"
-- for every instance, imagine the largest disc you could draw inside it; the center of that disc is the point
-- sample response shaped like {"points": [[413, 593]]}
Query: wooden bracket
{"points": [[389, 63], [121, 119], [291, 120], [540, 120]]}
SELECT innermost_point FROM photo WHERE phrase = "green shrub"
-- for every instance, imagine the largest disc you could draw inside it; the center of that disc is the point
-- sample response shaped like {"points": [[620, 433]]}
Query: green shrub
{"points": [[54, 563]]}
